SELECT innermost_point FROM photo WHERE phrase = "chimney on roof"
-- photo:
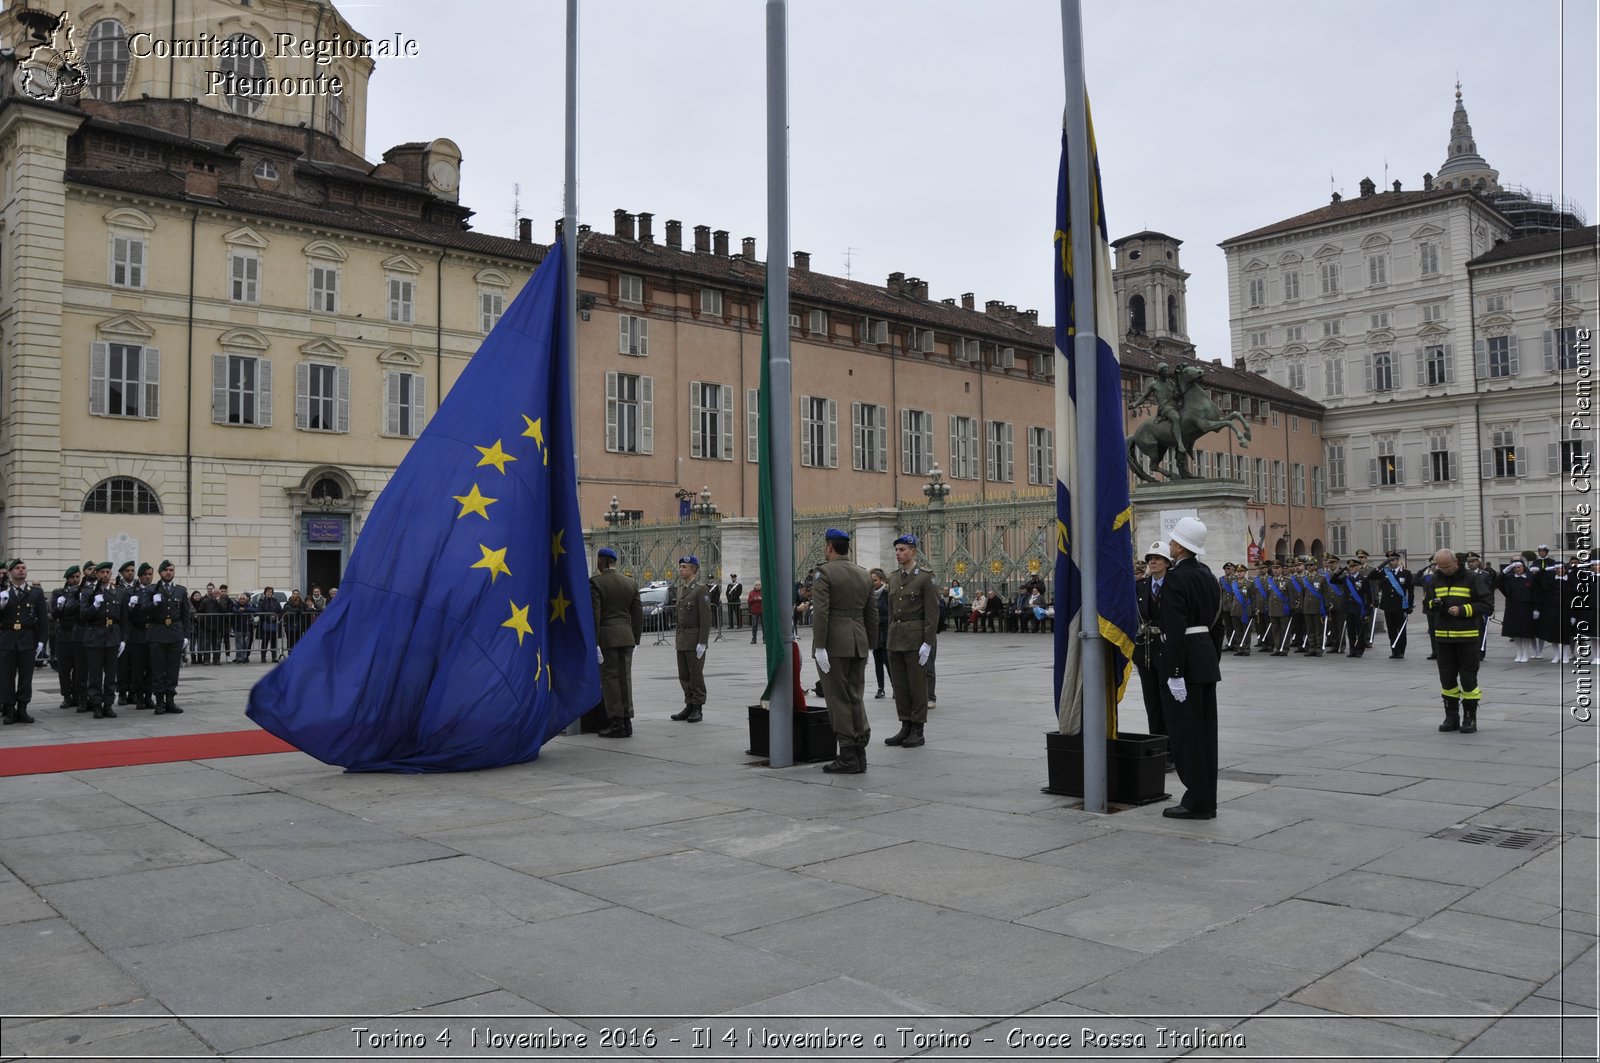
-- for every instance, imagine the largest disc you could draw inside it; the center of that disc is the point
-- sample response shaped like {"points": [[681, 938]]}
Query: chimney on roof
{"points": [[948, 302], [560, 227], [1011, 311], [1216, 361], [584, 229], [675, 234], [1336, 197], [200, 180], [645, 235], [1427, 182], [1397, 184], [802, 261], [748, 244], [624, 224], [1368, 187], [994, 308], [896, 282], [525, 230], [967, 300], [719, 243], [917, 288], [1031, 316], [702, 239]]}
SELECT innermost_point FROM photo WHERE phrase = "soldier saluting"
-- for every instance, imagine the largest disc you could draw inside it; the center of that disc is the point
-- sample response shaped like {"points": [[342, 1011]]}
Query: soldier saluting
{"points": [[164, 609], [22, 630]]}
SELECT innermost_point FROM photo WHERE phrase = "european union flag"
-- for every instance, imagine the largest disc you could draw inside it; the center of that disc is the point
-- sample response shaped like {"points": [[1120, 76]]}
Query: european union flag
{"points": [[1105, 472], [462, 635]]}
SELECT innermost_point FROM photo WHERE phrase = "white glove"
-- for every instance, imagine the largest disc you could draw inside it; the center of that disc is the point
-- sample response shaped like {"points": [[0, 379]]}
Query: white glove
{"points": [[60, 601], [120, 647], [1180, 689], [156, 600], [1536, 614], [185, 644], [38, 651], [700, 651], [822, 661], [599, 655], [5, 596], [99, 599], [923, 652]]}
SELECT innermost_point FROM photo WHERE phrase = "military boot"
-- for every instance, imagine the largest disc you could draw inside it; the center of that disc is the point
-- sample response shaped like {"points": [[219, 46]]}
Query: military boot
{"points": [[915, 737], [846, 763], [618, 729], [1452, 715], [1469, 717], [7, 716], [899, 738], [694, 713], [688, 710], [861, 756], [172, 706]]}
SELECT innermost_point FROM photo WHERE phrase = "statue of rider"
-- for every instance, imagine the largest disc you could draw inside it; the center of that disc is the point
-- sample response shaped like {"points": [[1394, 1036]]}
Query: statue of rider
{"points": [[1167, 394]]}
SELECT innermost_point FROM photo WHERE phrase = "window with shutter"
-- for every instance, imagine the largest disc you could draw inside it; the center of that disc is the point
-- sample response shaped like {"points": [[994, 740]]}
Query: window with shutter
{"points": [[819, 323], [392, 401], [833, 433], [245, 277], [219, 389], [752, 424], [612, 444], [99, 362], [697, 412], [647, 415], [341, 399]]}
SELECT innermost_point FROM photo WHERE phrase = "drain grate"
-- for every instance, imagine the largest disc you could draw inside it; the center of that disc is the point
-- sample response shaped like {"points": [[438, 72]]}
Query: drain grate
{"points": [[1499, 837]]}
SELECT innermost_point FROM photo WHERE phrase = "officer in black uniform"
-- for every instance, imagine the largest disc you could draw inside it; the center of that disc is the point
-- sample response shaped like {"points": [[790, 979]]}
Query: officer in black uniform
{"points": [[1393, 589], [124, 586], [138, 655], [68, 638], [164, 607], [24, 620], [102, 608]]}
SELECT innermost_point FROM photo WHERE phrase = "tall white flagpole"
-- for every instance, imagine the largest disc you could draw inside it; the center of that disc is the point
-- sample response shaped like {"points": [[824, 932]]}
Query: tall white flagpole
{"points": [[1086, 358], [780, 719]]}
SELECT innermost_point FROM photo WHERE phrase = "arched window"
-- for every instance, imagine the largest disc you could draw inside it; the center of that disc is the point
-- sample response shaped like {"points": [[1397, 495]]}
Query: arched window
{"points": [[335, 115], [1136, 315], [1172, 314], [122, 494], [106, 59], [244, 60], [327, 487]]}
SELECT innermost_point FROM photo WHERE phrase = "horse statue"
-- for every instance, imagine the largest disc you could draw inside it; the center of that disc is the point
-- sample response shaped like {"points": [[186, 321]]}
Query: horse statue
{"points": [[1197, 415]]}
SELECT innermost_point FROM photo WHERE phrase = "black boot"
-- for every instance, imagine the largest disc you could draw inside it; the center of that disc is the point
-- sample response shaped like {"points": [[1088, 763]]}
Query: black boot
{"points": [[627, 727], [900, 736], [847, 762], [1452, 715], [617, 730], [7, 716], [145, 702], [1469, 717], [109, 713], [694, 713], [861, 756], [68, 703], [83, 704], [21, 715], [171, 705], [688, 710], [915, 737]]}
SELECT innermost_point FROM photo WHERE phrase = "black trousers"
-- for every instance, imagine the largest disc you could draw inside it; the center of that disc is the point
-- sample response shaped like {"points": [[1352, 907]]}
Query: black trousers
{"points": [[1458, 668], [880, 662], [733, 616], [1355, 626], [135, 663], [69, 662], [122, 671], [100, 674], [1151, 685], [164, 659], [16, 677], [1192, 741], [1394, 621]]}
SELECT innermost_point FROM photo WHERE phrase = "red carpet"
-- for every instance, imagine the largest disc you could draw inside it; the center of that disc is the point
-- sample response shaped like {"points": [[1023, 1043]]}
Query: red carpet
{"points": [[82, 756]]}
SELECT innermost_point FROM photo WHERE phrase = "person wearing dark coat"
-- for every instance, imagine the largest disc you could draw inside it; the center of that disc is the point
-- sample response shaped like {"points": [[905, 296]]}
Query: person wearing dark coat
{"points": [[1189, 661], [169, 625], [68, 638], [103, 612], [137, 657], [619, 625], [1555, 612], [270, 610], [1520, 623], [1487, 573], [24, 623], [1147, 646], [1353, 603], [880, 638]]}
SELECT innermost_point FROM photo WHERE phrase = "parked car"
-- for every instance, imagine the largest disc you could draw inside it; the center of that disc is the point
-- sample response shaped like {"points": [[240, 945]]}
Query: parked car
{"points": [[660, 600]]}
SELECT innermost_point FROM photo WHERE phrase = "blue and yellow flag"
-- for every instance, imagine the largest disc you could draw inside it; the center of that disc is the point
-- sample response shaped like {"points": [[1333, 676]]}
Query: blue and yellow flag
{"points": [[1105, 472], [462, 635]]}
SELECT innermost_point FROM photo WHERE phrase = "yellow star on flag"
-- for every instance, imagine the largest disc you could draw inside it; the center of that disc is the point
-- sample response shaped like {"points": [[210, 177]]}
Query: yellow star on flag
{"points": [[558, 606], [519, 621], [474, 503], [494, 456], [535, 431], [494, 561], [556, 549]]}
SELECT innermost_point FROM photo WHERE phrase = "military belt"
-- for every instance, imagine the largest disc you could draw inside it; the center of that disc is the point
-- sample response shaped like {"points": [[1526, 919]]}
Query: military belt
{"points": [[167, 621], [110, 622]]}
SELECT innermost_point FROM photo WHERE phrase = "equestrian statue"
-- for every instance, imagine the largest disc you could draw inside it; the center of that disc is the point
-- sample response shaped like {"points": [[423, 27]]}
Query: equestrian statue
{"points": [[1184, 413]]}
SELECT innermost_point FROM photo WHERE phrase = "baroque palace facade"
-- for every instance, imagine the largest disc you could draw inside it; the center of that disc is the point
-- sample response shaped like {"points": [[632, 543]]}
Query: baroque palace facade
{"points": [[222, 326], [1448, 332]]}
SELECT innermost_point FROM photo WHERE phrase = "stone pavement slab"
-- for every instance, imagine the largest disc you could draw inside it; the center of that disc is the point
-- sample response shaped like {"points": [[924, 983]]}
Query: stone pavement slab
{"points": [[65, 973], [1305, 935], [1414, 993], [775, 840]]}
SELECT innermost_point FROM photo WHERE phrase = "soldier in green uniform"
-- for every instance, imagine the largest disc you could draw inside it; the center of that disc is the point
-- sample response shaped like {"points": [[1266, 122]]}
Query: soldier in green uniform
{"points": [[103, 611], [138, 655], [619, 623], [24, 621], [913, 632], [694, 630], [125, 584], [69, 638], [844, 624], [164, 608]]}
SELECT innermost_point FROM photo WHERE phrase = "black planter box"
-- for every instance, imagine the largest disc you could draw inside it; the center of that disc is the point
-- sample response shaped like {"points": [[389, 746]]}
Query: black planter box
{"points": [[1136, 767], [813, 735], [595, 719]]}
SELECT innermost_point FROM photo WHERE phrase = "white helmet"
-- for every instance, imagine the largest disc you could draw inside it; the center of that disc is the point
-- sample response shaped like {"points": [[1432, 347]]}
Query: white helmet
{"points": [[1191, 535]]}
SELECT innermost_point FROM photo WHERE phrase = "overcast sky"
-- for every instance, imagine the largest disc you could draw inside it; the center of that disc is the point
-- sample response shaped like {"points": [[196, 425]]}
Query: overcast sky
{"points": [[925, 134]]}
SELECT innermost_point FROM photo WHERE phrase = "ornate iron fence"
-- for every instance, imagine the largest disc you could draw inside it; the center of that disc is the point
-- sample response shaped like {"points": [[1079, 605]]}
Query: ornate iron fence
{"points": [[988, 544], [650, 552], [808, 529]]}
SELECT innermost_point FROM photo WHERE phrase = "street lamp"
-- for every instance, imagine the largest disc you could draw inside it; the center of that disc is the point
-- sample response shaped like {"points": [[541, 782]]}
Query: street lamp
{"points": [[705, 509], [936, 491]]}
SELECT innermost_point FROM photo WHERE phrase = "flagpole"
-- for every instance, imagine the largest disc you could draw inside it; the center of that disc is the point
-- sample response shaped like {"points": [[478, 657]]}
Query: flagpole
{"points": [[1085, 347], [780, 720], [569, 245]]}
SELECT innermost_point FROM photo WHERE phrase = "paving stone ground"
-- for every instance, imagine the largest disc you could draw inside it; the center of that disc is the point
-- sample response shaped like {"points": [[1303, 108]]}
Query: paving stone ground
{"points": [[668, 897]]}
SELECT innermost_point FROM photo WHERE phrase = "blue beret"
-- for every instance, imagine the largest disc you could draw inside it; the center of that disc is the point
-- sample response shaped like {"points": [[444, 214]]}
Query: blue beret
{"points": [[606, 551], [908, 539], [836, 534], [690, 560]]}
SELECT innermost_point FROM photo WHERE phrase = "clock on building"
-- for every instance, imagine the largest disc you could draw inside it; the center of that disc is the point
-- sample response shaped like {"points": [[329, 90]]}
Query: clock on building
{"points": [[443, 175]]}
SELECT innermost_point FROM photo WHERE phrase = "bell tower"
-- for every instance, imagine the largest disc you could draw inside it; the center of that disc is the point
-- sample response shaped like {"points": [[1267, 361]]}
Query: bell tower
{"points": [[1151, 290]]}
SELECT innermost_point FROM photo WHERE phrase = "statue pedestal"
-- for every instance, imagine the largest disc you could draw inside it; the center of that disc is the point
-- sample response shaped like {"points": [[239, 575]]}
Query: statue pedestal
{"points": [[1218, 504]]}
